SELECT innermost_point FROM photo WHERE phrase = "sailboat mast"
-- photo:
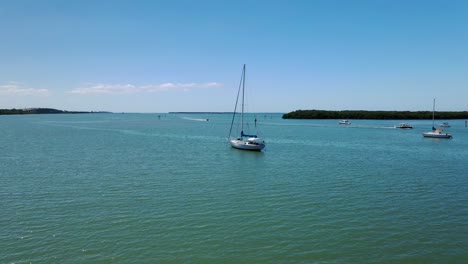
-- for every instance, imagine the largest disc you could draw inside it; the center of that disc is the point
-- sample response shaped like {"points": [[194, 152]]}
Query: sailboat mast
{"points": [[243, 89], [433, 110], [237, 101]]}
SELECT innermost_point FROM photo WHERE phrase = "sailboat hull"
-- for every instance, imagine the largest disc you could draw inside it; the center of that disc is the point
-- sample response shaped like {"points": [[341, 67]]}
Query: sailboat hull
{"points": [[436, 135], [246, 145]]}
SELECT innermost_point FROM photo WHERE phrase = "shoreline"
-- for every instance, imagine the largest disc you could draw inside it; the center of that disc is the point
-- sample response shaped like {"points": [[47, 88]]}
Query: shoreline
{"points": [[377, 115], [41, 111]]}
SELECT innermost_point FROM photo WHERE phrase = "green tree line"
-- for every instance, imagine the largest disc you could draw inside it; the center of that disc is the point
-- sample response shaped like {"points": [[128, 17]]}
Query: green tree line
{"points": [[40, 111], [361, 114], [30, 111]]}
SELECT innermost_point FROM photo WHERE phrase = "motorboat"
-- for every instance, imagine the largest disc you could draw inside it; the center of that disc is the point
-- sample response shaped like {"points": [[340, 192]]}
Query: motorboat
{"points": [[404, 126], [344, 122], [445, 124]]}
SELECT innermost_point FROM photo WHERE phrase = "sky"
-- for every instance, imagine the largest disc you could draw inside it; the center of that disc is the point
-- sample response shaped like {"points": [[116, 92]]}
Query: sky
{"points": [[166, 56]]}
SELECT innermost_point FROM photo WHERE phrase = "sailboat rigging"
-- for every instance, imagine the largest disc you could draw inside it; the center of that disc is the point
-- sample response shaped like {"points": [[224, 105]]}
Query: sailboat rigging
{"points": [[245, 141], [436, 133]]}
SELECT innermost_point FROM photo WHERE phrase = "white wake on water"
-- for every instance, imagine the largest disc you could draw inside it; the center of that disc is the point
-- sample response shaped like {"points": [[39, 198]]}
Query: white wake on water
{"points": [[195, 119]]}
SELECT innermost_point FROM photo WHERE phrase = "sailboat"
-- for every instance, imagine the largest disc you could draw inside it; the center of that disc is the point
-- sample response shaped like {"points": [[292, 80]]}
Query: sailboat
{"points": [[436, 133], [245, 141]]}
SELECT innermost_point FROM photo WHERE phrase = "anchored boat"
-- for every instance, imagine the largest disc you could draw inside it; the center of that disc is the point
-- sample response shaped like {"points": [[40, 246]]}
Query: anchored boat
{"points": [[245, 141]]}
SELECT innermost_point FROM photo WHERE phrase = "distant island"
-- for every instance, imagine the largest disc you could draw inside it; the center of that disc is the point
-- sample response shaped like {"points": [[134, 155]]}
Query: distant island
{"points": [[29, 111], [362, 114]]}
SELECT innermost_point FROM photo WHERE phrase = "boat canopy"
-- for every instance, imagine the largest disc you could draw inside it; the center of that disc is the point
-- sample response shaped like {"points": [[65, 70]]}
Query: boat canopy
{"points": [[245, 135]]}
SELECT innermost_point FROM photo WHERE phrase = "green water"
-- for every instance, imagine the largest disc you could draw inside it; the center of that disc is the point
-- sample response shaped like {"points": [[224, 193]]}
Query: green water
{"points": [[132, 188]]}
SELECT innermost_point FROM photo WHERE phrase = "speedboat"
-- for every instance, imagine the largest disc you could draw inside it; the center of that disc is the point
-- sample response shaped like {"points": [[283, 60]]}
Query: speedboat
{"points": [[404, 126], [444, 125], [438, 133], [344, 122]]}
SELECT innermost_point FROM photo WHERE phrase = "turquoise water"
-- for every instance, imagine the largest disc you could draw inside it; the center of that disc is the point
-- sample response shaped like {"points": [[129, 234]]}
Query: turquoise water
{"points": [[132, 188]]}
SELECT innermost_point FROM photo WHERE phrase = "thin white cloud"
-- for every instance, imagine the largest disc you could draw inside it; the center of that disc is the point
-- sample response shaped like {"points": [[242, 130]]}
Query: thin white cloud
{"points": [[129, 88], [106, 89], [15, 88]]}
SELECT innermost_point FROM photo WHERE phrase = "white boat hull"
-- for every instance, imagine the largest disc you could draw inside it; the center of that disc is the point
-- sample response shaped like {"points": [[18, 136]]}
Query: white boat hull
{"points": [[437, 135], [344, 122], [246, 145]]}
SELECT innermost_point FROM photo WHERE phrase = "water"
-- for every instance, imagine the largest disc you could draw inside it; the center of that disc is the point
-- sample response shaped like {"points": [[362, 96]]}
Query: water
{"points": [[133, 188]]}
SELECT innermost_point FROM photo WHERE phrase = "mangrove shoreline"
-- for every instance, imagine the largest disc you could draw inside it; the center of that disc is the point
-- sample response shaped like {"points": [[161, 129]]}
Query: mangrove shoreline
{"points": [[31, 111], [381, 115]]}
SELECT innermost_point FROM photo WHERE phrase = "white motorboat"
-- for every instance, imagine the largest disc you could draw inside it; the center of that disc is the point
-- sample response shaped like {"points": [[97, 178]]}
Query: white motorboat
{"points": [[404, 126], [344, 122], [445, 124]]}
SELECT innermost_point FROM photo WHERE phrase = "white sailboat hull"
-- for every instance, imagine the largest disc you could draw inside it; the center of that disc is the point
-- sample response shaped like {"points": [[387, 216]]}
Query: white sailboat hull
{"points": [[436, 135], [246, 145]]}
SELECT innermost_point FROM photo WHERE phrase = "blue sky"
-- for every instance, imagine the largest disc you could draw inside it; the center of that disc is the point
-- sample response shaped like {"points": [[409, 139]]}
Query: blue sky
{"points": [[161, 56]]}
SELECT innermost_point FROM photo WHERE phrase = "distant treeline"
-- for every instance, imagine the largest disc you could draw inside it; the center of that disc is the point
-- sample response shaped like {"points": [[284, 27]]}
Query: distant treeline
{"points": [[361, 114], [40, 111]]}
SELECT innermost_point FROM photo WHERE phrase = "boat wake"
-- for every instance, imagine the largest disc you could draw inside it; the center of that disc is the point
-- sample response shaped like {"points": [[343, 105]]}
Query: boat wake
{"points": [[196, 119], [139, 133]]}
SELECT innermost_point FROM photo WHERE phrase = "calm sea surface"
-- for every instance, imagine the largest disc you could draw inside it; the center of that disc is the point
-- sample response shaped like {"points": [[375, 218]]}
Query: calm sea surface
{"points": [[133, 188]]}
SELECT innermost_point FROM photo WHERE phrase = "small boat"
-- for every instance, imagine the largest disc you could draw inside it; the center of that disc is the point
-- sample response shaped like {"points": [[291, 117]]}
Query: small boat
{"points": [[404, 126], [438, 133], [435, 133], [344, 122], [244, 141], [252, 143], [444, 125]]}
